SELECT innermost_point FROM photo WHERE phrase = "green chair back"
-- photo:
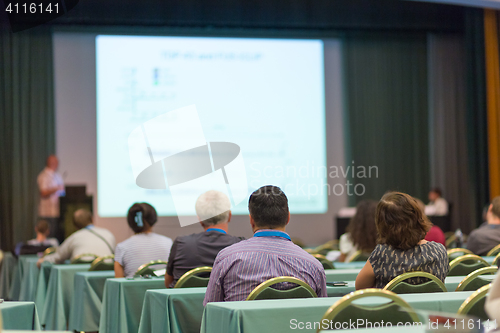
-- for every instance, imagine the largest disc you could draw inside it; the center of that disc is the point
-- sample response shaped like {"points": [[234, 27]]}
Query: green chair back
{"points": [[323, 249], [496, 261], [467, 264], [191, 279], [457, 252], [358, 256], [146, 269], [344, 310], [474, 281], [327, 264], [48, 251], [85, 258], [103, 264], [494, 251], [264, 290], [474, 304], [400, 285]]}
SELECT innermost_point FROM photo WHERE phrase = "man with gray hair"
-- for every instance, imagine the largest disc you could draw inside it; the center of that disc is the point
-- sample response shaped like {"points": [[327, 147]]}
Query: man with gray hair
{"points": [[196, 250]]}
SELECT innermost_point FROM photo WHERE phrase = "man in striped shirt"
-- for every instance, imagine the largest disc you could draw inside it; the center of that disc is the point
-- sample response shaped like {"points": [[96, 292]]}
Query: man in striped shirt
{"points": [[241, 267]]}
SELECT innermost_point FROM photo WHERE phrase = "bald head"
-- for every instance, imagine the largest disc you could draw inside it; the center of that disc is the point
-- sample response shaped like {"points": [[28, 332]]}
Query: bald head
{"points": [[82, 218], [52, 162]]}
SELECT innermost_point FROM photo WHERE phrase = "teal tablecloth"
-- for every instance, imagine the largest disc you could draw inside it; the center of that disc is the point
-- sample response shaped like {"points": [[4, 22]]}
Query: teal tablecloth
{"points": [[29, 279], [9, 264], [280, 315], [55, 312], [42, 285], [341, 274], [122, 303], [85, 311], [349, 265], [19, 316], [172, 310], [18, 276]]}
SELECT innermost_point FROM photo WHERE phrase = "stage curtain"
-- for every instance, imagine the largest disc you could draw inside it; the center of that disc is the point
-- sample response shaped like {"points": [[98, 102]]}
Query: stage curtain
{"points": [[26, 127], [386, 113]]}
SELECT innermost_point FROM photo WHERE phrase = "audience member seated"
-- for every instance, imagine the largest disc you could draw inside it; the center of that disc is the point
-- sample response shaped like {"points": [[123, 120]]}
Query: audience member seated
{"points": [[88, 239], [361, 232], [144, 246], [492, 305], [197, 250], [435, 234], [42, 230], [437, 206], [401, 227], [487, 236], [270, 253]]}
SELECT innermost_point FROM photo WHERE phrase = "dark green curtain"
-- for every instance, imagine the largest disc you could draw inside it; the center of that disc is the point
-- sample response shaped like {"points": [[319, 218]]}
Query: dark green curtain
{"points": [[386, 113], [477, 140], [27, 123]]}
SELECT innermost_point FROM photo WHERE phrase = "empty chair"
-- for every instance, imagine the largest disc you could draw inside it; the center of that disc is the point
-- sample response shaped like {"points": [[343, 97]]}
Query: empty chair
{"points": [[496, 261], [48, 251], [457, 252], [344, 310], [494, 251], [265, 291], [147, 269], [358, 256], [474, 304], [85, 258], [106, 263], [399, 284], [191, 279], [467, 264], [474, 281], [327, 264]]}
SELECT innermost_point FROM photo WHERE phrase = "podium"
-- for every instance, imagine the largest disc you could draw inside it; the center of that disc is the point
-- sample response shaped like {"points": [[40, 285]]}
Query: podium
{"points": [[76, 197]]}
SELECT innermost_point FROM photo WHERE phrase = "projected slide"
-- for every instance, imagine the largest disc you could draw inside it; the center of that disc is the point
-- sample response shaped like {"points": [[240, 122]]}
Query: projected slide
{"points": [[265, 96]]}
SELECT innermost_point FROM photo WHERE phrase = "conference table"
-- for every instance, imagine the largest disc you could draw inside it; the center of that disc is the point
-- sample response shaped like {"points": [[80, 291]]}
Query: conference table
{"points": [[85, 311], [284, 315], [19, 275], [122, 303], [9, 264], [55, 311], [19, 316]]}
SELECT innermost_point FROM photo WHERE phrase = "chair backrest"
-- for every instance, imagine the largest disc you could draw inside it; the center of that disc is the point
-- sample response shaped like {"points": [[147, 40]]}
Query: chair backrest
{"points": [[466, 264], [191, 279], [399, 285], [264, 290], [48, 251], [393, 312], [494, 251], [474, 304], [106, 263], [327, 264], [358, 256], [323, 249], [146, 269], [85, 258], [474, 281], [451, 242], [457, 252], [496, 261]]}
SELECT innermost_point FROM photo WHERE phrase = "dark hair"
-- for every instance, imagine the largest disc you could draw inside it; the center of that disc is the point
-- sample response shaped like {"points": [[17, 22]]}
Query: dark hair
{"points": [[495, 206], [361, 228], [437, 190], [140, 214], [268, 207], [42, 226], [400, 221]]}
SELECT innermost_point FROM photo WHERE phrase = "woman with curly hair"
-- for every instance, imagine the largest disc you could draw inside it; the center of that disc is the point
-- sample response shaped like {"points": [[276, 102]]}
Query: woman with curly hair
{"points": [[361, 233], [401, 248]]}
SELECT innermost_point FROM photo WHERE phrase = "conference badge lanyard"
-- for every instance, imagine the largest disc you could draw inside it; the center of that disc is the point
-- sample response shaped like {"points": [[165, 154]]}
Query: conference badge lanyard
{"points": [[272, 233]]}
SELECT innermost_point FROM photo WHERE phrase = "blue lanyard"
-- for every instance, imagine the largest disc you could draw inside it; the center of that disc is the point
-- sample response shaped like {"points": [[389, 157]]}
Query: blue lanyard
{"points": [[273, 233], [217, 229]]}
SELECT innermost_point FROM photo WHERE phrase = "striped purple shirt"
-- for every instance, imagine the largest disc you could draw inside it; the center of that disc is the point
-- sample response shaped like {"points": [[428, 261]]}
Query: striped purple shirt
{"points": [[241, 267]]}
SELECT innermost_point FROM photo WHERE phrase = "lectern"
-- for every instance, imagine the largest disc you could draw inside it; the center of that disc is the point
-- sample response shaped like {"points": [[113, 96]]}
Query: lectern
{"points": [[76, 197]]}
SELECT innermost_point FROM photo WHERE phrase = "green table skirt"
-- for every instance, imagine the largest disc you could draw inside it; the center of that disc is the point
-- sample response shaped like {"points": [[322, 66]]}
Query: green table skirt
{"points": [[9, 264], [18, 276], [60, 289], [122, 303], [172, 310], [85, 311], [19, 316], [29, 279], [282, 315]]}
